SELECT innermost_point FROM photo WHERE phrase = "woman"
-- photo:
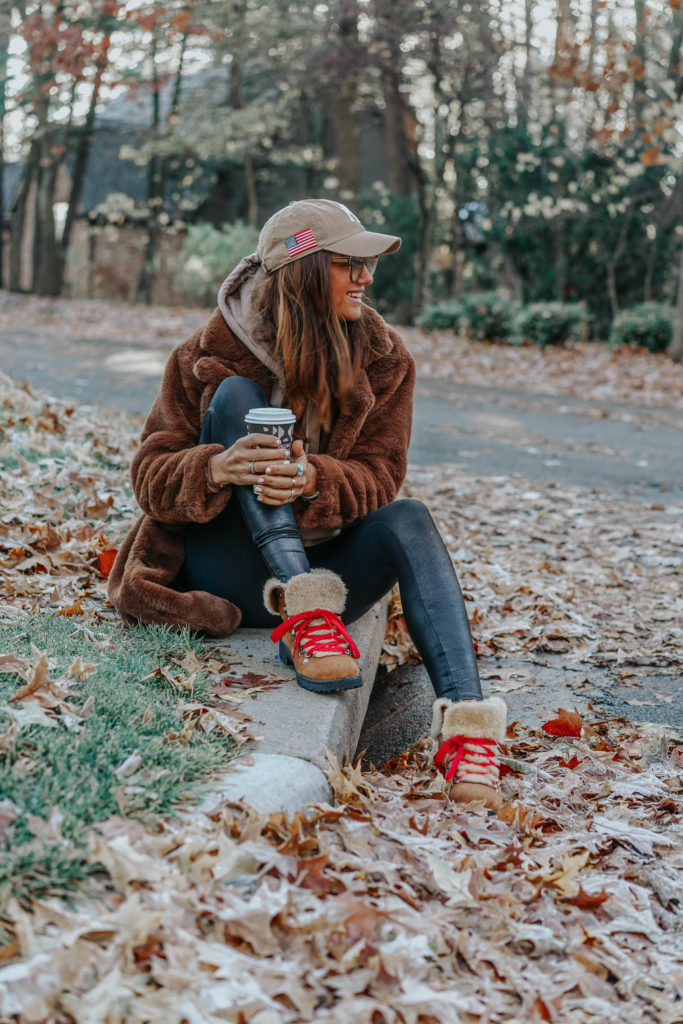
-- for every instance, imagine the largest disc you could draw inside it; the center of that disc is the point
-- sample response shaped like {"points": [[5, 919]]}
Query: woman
{"points": [[236, 531]]}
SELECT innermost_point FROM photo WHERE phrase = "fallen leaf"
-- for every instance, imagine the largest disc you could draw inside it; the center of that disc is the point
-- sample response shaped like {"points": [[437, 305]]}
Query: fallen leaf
{"points": [[129, 766], [454, 884], [567, 723], [586, 900]]}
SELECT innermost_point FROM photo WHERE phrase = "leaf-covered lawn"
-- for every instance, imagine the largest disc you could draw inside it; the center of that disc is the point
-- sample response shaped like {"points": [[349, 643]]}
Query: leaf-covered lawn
{"points": [[392, 906], [94, 719]]}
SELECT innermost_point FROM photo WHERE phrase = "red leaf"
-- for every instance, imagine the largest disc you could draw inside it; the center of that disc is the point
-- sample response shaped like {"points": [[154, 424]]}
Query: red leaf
{"points": [[106, 561], [567, 723], [585, 900], [572, 763]]}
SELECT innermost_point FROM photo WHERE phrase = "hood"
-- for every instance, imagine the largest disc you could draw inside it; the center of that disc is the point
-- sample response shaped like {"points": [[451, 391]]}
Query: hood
{"points": [[235, 299]]}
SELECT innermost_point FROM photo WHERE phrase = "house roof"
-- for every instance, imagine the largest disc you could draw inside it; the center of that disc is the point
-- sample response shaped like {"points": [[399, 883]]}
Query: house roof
{"points": [[107, 173]]}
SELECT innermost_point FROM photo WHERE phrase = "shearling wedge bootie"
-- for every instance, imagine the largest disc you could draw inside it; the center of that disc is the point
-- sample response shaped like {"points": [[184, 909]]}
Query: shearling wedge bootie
{"points": [[468, 733], [312, 637]]}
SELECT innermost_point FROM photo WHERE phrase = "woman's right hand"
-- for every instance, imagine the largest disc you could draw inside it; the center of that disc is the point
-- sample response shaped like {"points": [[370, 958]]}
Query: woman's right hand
{"points": [[245, 460]]}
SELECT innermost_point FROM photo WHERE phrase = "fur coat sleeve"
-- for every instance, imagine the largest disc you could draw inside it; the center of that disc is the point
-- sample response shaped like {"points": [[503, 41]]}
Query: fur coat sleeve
{"points": [[168, 471]]}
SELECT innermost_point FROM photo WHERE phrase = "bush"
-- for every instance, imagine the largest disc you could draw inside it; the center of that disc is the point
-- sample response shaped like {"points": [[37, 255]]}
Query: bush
{"points": [[483, 316], [209, 254], [551, 323], [385, 211], [441, 316], [649, 325], [488, 316]]}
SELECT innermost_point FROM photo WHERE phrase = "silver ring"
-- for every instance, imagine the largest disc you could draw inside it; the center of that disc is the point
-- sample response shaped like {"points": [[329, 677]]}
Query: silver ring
{"points": [[300, 471], [251, 466], [291, 496]]}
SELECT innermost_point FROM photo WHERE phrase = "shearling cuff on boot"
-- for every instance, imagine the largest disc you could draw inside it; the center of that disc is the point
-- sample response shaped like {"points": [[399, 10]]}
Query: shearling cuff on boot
{"points": [[318, 588], [468, 733]]}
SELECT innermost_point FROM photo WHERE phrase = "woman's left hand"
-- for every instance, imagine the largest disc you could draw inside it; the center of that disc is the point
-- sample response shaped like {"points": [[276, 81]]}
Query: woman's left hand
{"points": [[284, 482]]}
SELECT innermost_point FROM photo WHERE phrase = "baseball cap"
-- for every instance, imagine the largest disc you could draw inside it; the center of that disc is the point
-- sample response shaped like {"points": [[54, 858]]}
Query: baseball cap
{"points": [[309, 225]]}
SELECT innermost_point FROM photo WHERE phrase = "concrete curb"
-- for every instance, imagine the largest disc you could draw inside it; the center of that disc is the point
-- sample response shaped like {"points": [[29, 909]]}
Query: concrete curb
{"points": [[284, 769]]}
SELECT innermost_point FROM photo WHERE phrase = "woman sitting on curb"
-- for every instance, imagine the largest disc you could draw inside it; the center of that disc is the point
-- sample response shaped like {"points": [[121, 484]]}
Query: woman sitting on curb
{"points": [[235, 530]]}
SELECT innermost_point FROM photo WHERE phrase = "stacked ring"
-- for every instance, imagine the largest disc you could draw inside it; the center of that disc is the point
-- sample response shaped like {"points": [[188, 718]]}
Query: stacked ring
{"points": [[251, 466], [291, 496]]}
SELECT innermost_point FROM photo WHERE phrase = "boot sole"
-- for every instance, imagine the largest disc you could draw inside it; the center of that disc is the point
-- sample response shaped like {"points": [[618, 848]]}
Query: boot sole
{"points": [[318, 685]]}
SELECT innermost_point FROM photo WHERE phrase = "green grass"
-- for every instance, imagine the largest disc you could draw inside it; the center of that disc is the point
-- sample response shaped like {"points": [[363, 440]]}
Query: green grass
{"points": [[74, 772]]}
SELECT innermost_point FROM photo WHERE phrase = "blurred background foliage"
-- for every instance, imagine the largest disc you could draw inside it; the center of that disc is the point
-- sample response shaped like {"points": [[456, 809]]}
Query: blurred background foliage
{"points": [[530, 148]]}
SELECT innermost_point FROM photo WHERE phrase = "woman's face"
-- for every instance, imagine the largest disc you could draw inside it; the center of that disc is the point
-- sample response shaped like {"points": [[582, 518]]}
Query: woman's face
{"points": [[347, 295]]}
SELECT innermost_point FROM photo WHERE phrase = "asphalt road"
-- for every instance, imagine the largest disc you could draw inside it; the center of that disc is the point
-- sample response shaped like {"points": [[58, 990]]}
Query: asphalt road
{"points": [[633, 450], [629, 450]]}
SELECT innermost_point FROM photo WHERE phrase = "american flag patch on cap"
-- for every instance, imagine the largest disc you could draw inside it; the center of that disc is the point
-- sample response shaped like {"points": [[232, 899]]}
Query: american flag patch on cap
{"points": [[302, 241]]}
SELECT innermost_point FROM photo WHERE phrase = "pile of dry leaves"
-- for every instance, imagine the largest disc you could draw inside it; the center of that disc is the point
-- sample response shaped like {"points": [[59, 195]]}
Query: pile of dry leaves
{"points": [[391, 906], [65, 501]]}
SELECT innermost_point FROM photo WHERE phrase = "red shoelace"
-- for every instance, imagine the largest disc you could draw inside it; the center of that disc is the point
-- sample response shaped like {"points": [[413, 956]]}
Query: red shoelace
{"points": [[453, 753], [328, 636]]}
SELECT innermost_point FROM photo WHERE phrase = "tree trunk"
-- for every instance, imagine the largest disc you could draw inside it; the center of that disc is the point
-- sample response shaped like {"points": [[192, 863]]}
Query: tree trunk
{"points": [[523, 108], [430, 183], [396, 142], [560, 263], [590, 105], [649, 270], [457, 288], [154, 192], [346, 116], [424, 232], [676, 350], [47, 276], [675, 70], [612, 263], [82, 153], [564, 32], [564, 42], [236, 100], [5, 30], [398, 119], [18, 221], [639, 80]]}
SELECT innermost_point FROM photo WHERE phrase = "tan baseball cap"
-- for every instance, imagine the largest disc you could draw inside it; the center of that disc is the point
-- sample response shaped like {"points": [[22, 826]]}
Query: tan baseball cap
{"points": [[309, 225]]}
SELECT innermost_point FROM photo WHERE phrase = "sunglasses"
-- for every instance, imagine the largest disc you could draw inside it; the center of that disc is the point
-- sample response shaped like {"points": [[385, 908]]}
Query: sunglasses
{"points": [[356, 265]]}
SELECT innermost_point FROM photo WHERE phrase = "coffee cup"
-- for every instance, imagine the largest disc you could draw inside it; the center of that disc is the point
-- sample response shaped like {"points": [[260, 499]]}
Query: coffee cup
{"points": [[277, 423]]}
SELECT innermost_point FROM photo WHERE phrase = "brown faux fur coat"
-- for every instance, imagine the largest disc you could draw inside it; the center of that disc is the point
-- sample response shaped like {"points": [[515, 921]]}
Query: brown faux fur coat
{"points": [[361, 469]]}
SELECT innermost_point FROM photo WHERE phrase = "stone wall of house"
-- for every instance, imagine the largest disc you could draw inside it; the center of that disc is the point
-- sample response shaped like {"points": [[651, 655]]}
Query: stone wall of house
{"points": [[105, 263]]}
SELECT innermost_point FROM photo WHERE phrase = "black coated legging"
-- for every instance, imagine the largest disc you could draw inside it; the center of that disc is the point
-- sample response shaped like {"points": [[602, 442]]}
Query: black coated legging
{"points": [[234, 554]]}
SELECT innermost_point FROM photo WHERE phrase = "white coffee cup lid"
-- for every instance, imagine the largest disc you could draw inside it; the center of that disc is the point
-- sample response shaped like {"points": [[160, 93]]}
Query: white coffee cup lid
{"points": [[270, 415]]}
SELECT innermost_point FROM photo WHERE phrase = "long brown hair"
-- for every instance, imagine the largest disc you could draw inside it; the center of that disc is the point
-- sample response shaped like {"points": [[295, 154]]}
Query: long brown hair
{"points": [[321, 353]]}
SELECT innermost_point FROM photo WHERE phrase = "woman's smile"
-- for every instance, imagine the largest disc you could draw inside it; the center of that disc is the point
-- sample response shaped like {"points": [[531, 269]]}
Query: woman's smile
{"points": [[347, 295]]}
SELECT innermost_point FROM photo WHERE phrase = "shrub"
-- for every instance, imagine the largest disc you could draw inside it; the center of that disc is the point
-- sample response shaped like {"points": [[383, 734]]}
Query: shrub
{"points": [[649, 325], [483, 316], [488, 316], [551, 323], [441, 316], [385, 211], [209, 254]]}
